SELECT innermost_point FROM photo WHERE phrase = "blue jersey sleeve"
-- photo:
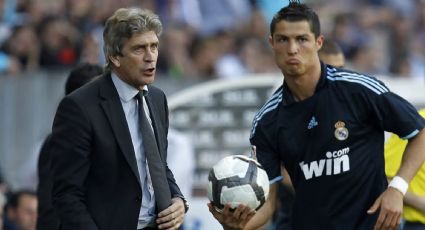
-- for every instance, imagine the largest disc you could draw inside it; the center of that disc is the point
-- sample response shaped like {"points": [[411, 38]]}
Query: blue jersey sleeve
{"points": [[397, 115], [267, 155]]}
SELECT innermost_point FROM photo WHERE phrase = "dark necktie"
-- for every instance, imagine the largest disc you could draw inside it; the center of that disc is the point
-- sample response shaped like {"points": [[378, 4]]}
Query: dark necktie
{"points": [[155, 165]]}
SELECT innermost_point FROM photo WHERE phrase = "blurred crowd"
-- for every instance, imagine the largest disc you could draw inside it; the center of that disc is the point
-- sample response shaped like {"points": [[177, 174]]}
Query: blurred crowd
{"points": [[205, 39]]}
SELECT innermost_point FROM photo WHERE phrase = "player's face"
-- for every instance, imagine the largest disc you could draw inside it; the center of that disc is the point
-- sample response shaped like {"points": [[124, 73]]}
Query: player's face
{"points": [[137, 64], [295, 47]]}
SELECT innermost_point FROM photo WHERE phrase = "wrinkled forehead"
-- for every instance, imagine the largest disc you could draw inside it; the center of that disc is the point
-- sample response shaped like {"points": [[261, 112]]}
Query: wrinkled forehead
{"points": [[142, 38]]}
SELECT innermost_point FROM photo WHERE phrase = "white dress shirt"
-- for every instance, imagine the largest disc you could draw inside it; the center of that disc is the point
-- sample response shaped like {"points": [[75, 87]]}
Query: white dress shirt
{"points": [[130, 105]]}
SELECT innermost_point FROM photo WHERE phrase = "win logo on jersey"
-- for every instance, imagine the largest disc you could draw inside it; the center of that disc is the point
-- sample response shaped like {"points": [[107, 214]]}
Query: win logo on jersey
{"points": [[336, 162]]}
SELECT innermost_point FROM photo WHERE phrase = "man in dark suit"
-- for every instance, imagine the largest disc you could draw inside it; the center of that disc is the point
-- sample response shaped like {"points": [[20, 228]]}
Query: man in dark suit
{"points": [[47, 218], [108, 171]]}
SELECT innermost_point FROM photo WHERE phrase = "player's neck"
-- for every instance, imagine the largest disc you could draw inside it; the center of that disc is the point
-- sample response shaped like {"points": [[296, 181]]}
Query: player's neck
{"points": [[304, 86]]}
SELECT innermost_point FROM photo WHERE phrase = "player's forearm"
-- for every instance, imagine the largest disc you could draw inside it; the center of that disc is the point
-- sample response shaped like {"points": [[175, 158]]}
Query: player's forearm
{"points": [[265, 213], [415, 201], [287, 179], [413, 157]]}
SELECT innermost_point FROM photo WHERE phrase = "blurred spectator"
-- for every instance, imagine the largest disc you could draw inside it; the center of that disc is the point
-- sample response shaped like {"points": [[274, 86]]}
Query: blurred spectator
{"points": [[399, 51], [256, 56], [219, 15], [79, 14], [401, 66], [204, 54], [331, 54], [60, 41], [345, 33], [363, 59], [81, 75], [184, 12], [70, 31], [228, 64], [175, 60], [23, 45], [90, 50], [403, 7], [417, 58], [47, 218], [21, 211], [257, 26]]}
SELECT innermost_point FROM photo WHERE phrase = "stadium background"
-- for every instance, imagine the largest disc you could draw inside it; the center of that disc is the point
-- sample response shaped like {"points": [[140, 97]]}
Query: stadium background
{"points": [[215, 65]]}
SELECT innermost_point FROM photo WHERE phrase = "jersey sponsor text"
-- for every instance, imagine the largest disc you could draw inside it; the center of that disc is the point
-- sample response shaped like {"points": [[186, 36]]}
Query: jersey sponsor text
{"points": [[336, 162]]}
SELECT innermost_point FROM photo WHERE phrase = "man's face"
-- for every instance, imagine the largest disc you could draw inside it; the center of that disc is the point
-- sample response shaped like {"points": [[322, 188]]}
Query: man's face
{"points": [[137, 64], [295, 47], [25, 215]]}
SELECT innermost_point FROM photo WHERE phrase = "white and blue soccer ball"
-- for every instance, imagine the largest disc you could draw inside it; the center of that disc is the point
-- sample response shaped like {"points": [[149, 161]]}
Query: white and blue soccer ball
{"points": [[236, 180]]}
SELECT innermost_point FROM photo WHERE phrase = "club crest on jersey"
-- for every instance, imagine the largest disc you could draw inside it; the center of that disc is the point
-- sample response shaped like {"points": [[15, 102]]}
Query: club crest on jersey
{"points": [[341, 132]]}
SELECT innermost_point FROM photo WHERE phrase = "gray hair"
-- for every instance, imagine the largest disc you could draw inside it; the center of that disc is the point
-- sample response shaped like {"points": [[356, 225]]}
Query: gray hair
{"points": [[123, 24]]}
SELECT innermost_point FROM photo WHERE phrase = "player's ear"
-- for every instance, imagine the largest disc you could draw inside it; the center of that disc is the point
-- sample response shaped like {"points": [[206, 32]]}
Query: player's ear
{"points": [[319, 41], [271, 40], [115, 60]]}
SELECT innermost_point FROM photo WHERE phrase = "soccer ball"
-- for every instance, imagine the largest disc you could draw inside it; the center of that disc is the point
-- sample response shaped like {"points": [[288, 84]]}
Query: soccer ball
{"points": [[236, 180]]}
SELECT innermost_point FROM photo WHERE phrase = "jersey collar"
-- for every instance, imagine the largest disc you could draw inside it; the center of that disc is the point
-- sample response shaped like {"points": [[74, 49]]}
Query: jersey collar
{"points": [[288, 98]]}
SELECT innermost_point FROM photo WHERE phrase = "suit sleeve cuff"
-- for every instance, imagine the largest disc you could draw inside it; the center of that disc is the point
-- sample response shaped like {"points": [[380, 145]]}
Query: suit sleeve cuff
{"points": [[185, 202]]}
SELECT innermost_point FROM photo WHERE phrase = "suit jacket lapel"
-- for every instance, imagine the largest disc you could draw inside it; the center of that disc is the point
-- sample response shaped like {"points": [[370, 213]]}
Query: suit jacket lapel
{"points": [[115, 113]]}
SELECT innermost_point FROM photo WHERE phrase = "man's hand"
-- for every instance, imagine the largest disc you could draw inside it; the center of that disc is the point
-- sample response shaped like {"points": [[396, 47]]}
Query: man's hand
{"points": [[172, 217], [390, 204], [232, 220]]}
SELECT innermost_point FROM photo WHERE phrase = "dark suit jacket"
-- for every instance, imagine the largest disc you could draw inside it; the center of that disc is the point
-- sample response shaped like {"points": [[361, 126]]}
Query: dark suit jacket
{"points": [[46, 217], [96, 182]]}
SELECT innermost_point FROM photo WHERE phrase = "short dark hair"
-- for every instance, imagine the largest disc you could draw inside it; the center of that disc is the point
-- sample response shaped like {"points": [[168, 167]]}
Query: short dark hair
{"points": [[295, 12], [81, 75], [15, 197], [329, 46]]}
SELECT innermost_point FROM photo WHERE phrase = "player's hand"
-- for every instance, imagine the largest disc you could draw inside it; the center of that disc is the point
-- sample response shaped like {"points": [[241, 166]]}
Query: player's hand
{"points": [[390, 204], [172, 217], [232, 220]]}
